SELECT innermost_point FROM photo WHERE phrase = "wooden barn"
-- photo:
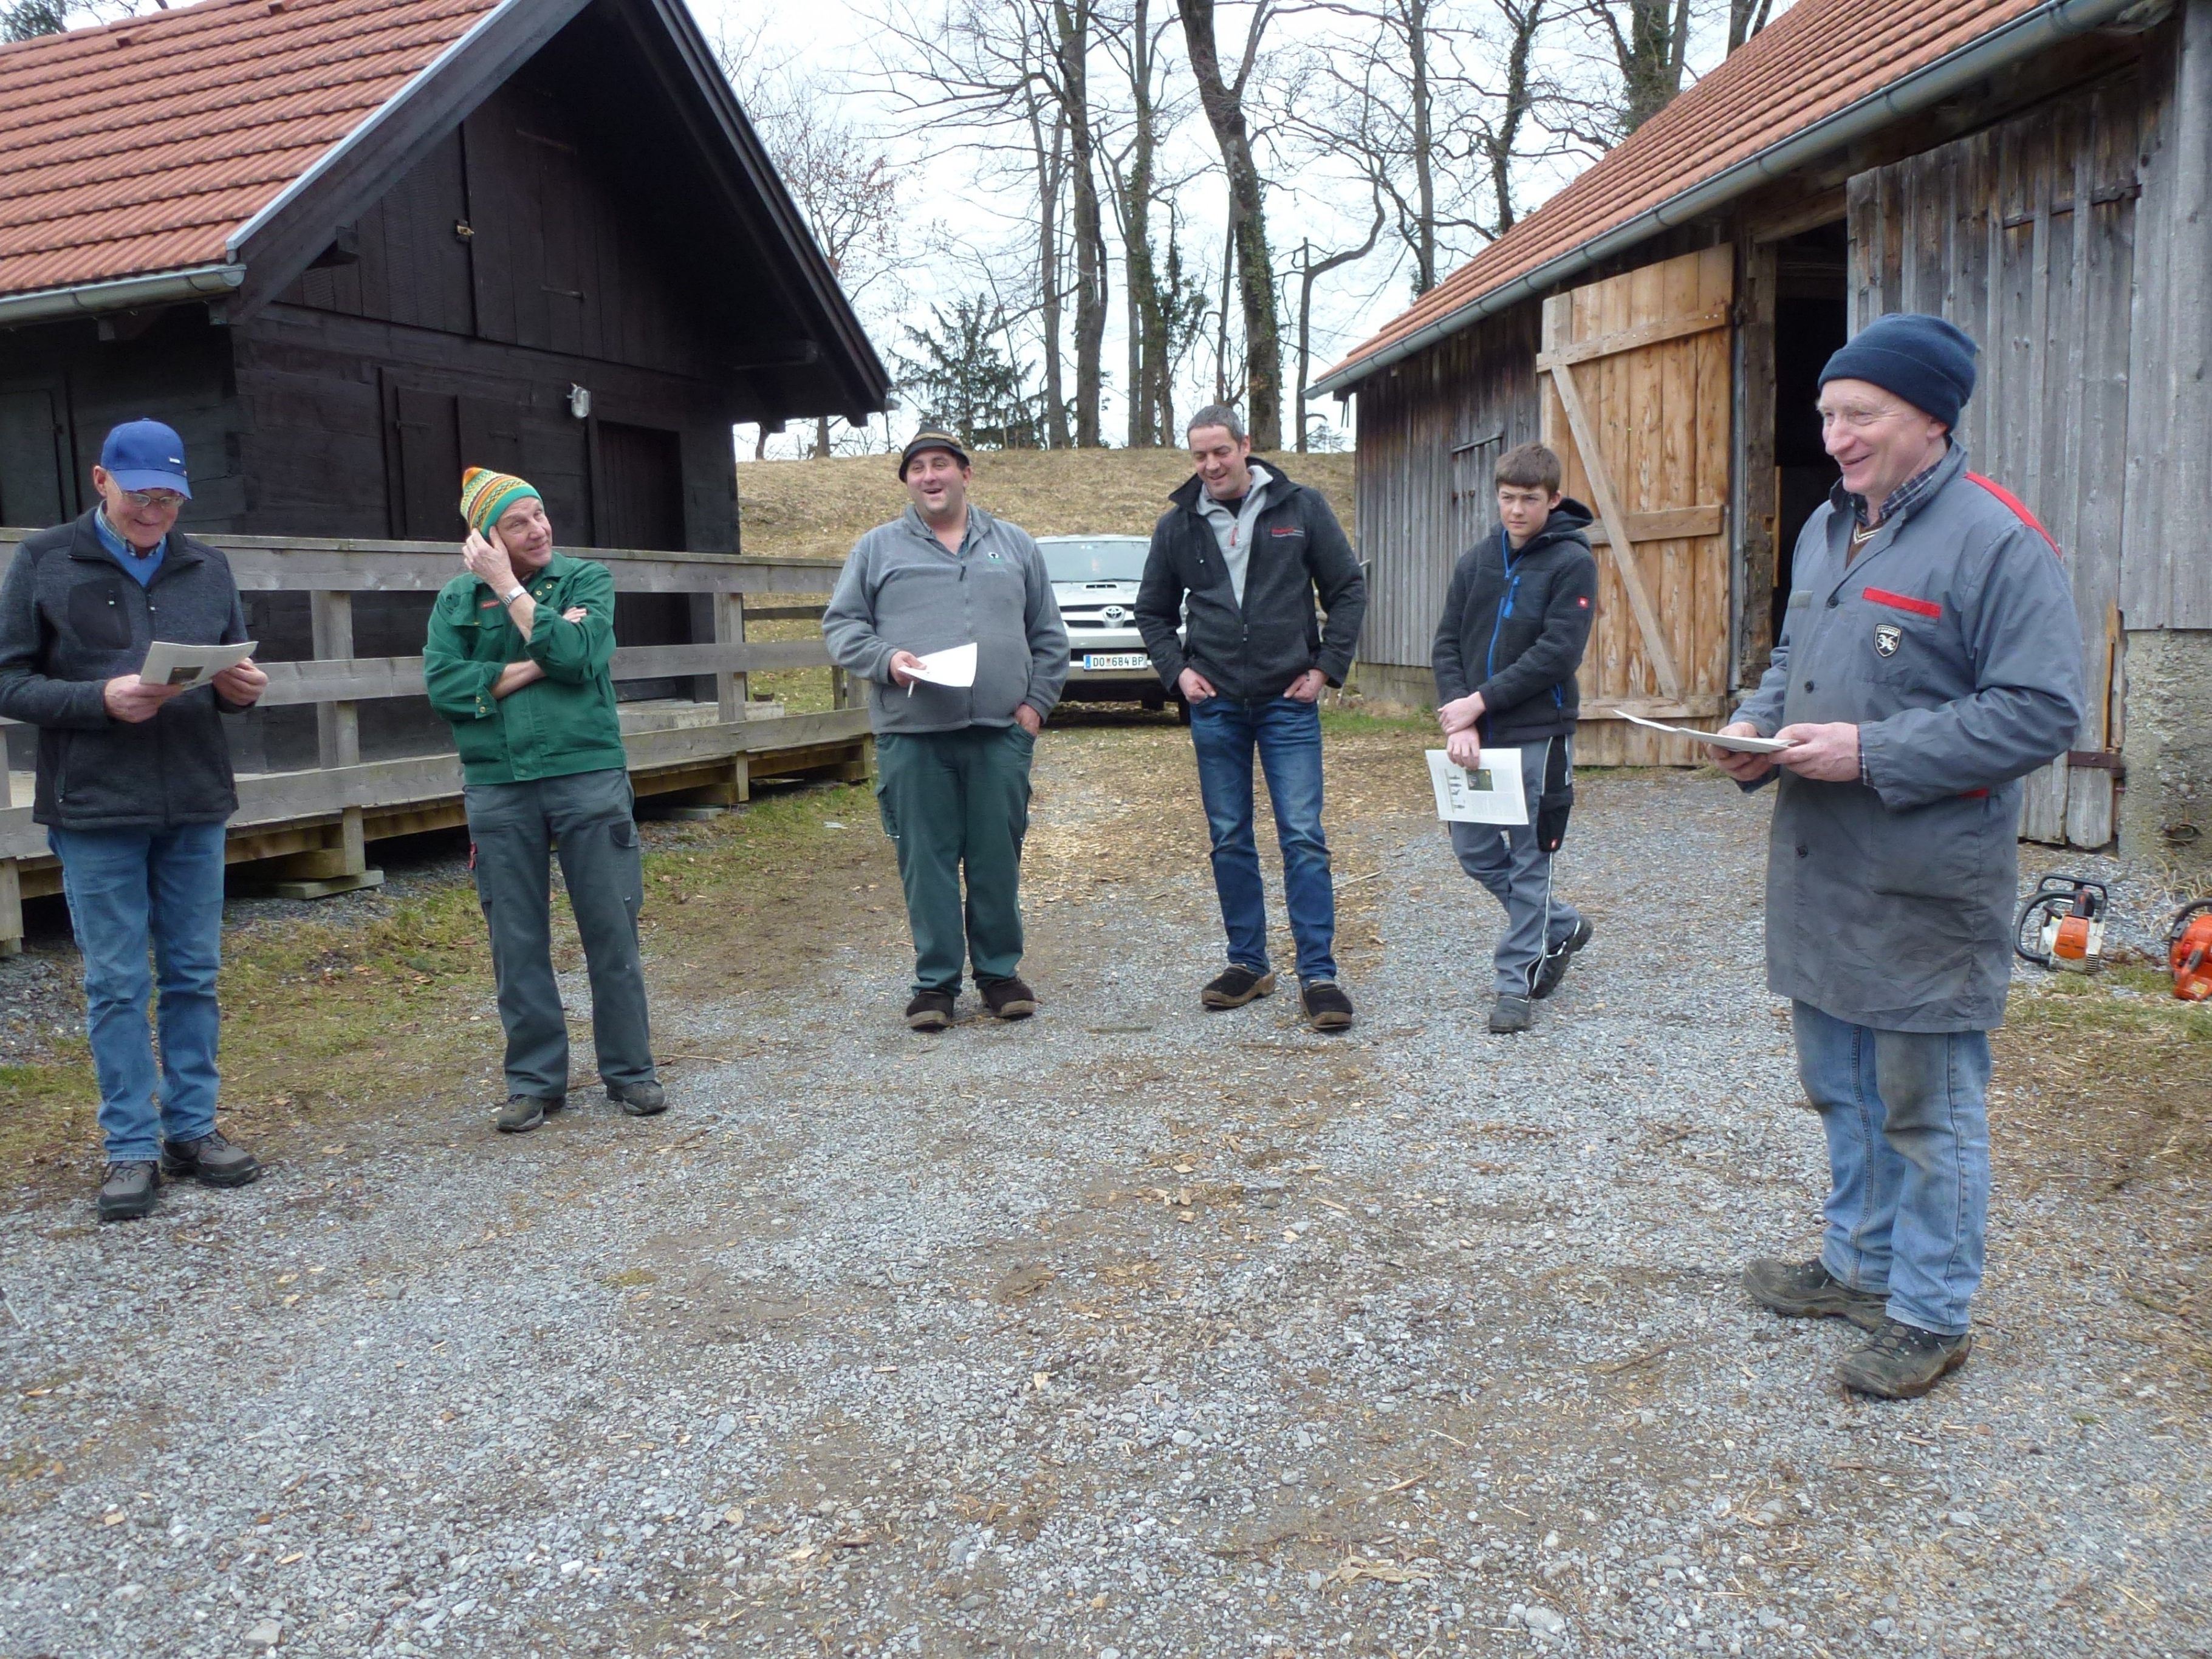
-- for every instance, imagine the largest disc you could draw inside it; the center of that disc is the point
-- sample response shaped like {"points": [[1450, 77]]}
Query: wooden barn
{"points": [[2038, 171], [347, 247]]}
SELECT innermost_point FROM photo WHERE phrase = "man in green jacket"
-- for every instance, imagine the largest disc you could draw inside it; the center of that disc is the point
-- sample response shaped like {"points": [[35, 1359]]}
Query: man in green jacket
{"points": [[519, 662]]}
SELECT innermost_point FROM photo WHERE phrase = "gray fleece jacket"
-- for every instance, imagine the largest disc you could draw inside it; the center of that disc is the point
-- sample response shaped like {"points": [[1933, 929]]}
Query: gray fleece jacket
{"points": [[902, 591]]}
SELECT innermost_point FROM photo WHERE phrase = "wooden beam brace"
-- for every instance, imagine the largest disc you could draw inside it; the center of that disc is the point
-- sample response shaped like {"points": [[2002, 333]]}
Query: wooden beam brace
{"points": [[1622, 547], [1674, 525], [1628, 340]]}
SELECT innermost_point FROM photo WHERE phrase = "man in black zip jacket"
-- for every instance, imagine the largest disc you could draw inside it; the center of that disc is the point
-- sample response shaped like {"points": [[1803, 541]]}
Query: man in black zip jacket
{"points": [[1514, 624], [1249, 549], [134, 786]]}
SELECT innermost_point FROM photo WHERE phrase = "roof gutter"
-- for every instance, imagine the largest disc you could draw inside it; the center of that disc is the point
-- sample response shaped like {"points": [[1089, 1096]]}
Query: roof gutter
{"points": [[2052, 21], [124, 294], [383, 113]]}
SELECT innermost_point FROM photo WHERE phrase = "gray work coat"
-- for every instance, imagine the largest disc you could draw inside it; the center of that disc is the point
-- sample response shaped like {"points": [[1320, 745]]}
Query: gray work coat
{"points": [[1951, 642]]}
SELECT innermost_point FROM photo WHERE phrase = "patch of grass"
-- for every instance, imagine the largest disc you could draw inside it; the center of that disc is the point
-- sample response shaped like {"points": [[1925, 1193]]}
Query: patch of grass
{"points": [[2122, 1080], [323, 1020]]}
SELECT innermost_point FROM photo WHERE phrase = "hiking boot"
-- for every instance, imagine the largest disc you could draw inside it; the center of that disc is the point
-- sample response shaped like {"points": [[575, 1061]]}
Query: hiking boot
{"points": [[1235, 987], [930, 1011], [524, 1113], [210, 1160], [1903, 1362], [1553, 968], [1806, 1290], [1008, 998], [126, 1190], [646, 1099], [1328, 1009], [1511, 1013]]}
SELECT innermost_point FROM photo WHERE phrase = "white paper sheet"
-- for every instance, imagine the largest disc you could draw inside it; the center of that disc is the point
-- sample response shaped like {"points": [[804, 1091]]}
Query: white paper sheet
{"points": [[1736, 741], [189, 666], [954, 665], [1492, 793]]}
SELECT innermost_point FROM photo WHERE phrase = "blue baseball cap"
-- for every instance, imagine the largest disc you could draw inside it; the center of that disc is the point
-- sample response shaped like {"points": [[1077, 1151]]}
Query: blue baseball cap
{"points": [[146, 455]]}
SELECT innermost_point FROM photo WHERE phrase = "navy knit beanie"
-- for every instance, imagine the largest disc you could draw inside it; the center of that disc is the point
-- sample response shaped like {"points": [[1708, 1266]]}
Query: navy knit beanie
{"points": [[1926, 361]]}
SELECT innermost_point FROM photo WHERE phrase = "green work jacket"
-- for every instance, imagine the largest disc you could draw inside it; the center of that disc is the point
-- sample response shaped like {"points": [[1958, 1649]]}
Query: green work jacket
{"points": [[553, 727]]}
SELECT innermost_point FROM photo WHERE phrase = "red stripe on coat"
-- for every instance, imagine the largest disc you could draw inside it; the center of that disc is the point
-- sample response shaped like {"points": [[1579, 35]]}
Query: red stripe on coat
{"points": [[1903, 602], [2020, 508]]}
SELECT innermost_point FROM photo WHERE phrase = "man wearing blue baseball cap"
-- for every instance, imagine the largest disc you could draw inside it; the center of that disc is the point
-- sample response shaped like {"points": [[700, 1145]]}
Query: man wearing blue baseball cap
{"points": [[134, 786]]}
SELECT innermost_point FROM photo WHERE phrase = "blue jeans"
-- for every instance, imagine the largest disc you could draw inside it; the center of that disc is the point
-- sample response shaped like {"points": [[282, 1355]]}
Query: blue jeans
{"points": [[1908, 1125], [128, 889], [1287, 735]]}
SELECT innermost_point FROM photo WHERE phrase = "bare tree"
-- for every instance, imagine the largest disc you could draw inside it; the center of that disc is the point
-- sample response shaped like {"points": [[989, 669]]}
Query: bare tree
{"points": [[1311, 271], [840, 178], [1067, 29], [1746, 19], [1223, 98], [1650, 41]]}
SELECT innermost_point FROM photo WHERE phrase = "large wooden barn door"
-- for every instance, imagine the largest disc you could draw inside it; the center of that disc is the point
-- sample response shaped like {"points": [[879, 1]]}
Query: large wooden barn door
{"points": [[2024, 235], [1637, 400]]}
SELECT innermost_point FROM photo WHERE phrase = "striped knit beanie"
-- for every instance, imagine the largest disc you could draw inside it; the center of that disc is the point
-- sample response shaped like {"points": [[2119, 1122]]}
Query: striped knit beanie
{"points": [[486, 494]]}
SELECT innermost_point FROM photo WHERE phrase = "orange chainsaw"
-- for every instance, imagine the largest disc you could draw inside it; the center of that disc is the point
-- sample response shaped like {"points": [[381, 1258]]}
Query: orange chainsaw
{"points": [[2189, 950], [2061, 924]]}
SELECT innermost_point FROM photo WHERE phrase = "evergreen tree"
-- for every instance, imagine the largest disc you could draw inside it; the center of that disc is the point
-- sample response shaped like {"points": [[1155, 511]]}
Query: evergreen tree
{"points": [[966, 383]]}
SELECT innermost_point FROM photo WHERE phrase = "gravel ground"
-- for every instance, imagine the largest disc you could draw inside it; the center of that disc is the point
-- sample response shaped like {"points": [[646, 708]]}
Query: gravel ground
{"points": [[1129, 1331]]}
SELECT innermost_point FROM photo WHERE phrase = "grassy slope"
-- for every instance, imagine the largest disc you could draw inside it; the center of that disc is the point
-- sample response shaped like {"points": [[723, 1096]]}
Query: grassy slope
{"points": [[819, 508]]}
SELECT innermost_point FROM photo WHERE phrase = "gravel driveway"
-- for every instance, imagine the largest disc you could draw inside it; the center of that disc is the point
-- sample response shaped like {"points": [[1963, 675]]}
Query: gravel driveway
{"points": [[1130, 1331]]}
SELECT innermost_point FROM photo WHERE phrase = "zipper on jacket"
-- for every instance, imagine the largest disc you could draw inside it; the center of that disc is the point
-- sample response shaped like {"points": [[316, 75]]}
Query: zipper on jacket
{"points": [[1504, 607]]}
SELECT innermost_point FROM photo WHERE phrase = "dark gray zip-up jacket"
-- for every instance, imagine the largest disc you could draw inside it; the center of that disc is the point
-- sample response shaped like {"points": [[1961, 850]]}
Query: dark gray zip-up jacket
{"points": [[902, 590], [70, 621], [1250, 653], [1952, 643], [1514, 628]]}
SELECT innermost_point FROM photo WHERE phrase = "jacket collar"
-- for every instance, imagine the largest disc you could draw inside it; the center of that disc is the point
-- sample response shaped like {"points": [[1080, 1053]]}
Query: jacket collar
{"points": [[1185, 494], [85, 543], [979, 525], [1845, 519], [1568, 522]]}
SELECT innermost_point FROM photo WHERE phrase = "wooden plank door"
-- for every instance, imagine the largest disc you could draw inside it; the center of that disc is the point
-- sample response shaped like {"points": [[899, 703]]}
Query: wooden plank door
{"points": [[1637, 399], [2024, 236]]}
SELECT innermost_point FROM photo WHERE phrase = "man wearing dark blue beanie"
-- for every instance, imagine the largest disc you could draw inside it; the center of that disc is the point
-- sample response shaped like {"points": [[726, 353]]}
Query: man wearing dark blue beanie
{"points": [[1930, 660]]}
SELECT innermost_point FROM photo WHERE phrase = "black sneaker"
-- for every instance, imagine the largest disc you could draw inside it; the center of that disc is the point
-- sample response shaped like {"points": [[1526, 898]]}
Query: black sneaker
{"points": [[1328, 1008], [1235, 987], [1553, 968], [210, 1160], [126, 1190], [1511, 1013], [1806, 1290], [1008, 998], [930, 1011], [1903, 1362], [646, 1099], [524, 1113]]}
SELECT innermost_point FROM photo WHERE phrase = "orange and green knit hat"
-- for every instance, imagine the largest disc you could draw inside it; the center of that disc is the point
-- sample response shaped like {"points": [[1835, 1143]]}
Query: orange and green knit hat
{"points": [[485, 494]]}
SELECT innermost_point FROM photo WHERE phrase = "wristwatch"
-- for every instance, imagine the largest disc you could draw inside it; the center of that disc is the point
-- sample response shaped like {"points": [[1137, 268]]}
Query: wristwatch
{"points": [[513, 596]]}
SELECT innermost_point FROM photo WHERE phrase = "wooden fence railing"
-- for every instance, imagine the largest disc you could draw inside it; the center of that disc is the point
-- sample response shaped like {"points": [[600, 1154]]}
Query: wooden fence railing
{"points": [[316, 821]]}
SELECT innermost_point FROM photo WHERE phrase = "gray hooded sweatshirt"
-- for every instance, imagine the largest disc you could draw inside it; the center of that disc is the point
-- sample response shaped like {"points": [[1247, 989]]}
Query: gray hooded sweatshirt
{"points": [[902, 591]]}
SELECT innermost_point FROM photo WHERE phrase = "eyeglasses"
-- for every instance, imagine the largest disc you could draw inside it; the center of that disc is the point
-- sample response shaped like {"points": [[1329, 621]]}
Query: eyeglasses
{"points": [[163, 500]]}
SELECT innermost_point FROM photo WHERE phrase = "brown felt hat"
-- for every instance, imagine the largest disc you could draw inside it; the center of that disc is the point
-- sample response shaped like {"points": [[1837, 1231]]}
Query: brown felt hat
{"points": [[926, 438]]}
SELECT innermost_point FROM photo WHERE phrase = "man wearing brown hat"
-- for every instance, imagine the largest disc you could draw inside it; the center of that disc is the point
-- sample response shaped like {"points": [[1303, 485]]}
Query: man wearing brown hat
{"points": [[953, 760]]}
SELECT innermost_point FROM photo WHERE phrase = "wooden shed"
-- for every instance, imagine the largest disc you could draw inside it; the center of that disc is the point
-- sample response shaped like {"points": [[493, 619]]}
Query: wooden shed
{"points": [[2039, 170], [348, 247]]}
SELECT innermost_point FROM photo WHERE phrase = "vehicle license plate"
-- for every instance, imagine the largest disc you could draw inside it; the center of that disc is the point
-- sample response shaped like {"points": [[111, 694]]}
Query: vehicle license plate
{"points": [[1095, 660]]}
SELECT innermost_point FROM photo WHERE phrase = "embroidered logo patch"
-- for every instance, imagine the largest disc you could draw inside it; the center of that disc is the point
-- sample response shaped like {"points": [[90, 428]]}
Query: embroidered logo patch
{"points": [[1286, 530], [1887, 636], [1582, 601]]}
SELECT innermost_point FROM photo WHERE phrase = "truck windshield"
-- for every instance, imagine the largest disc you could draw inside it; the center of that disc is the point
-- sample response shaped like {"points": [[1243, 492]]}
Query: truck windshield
{"points": [[1108, 559]]}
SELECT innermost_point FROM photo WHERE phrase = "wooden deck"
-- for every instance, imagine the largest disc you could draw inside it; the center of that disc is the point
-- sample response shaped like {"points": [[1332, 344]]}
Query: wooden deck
{"points": [[307, 831]]}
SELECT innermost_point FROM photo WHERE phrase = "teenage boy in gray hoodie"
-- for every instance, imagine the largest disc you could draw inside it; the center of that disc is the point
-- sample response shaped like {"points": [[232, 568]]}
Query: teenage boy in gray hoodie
{"points": [[952, 762], [1516, 622]]}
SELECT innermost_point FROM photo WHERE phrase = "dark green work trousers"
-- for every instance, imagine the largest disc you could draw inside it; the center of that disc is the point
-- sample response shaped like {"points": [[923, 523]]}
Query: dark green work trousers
{"points": [[513, 830], [951, 799]]}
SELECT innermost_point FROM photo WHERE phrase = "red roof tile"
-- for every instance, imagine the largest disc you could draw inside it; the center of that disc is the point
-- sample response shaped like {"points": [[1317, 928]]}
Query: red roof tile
{"points": [[1817, 57], [142, 146]]}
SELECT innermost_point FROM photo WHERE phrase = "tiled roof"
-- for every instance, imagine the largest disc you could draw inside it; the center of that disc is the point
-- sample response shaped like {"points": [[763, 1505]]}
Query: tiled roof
{"points": [[1817, 57], [141, 146]]}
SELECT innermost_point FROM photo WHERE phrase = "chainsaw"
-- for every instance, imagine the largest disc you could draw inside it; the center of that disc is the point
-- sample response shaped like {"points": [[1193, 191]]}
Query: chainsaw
{"points": [[2061, 924], [2189, 950]]}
